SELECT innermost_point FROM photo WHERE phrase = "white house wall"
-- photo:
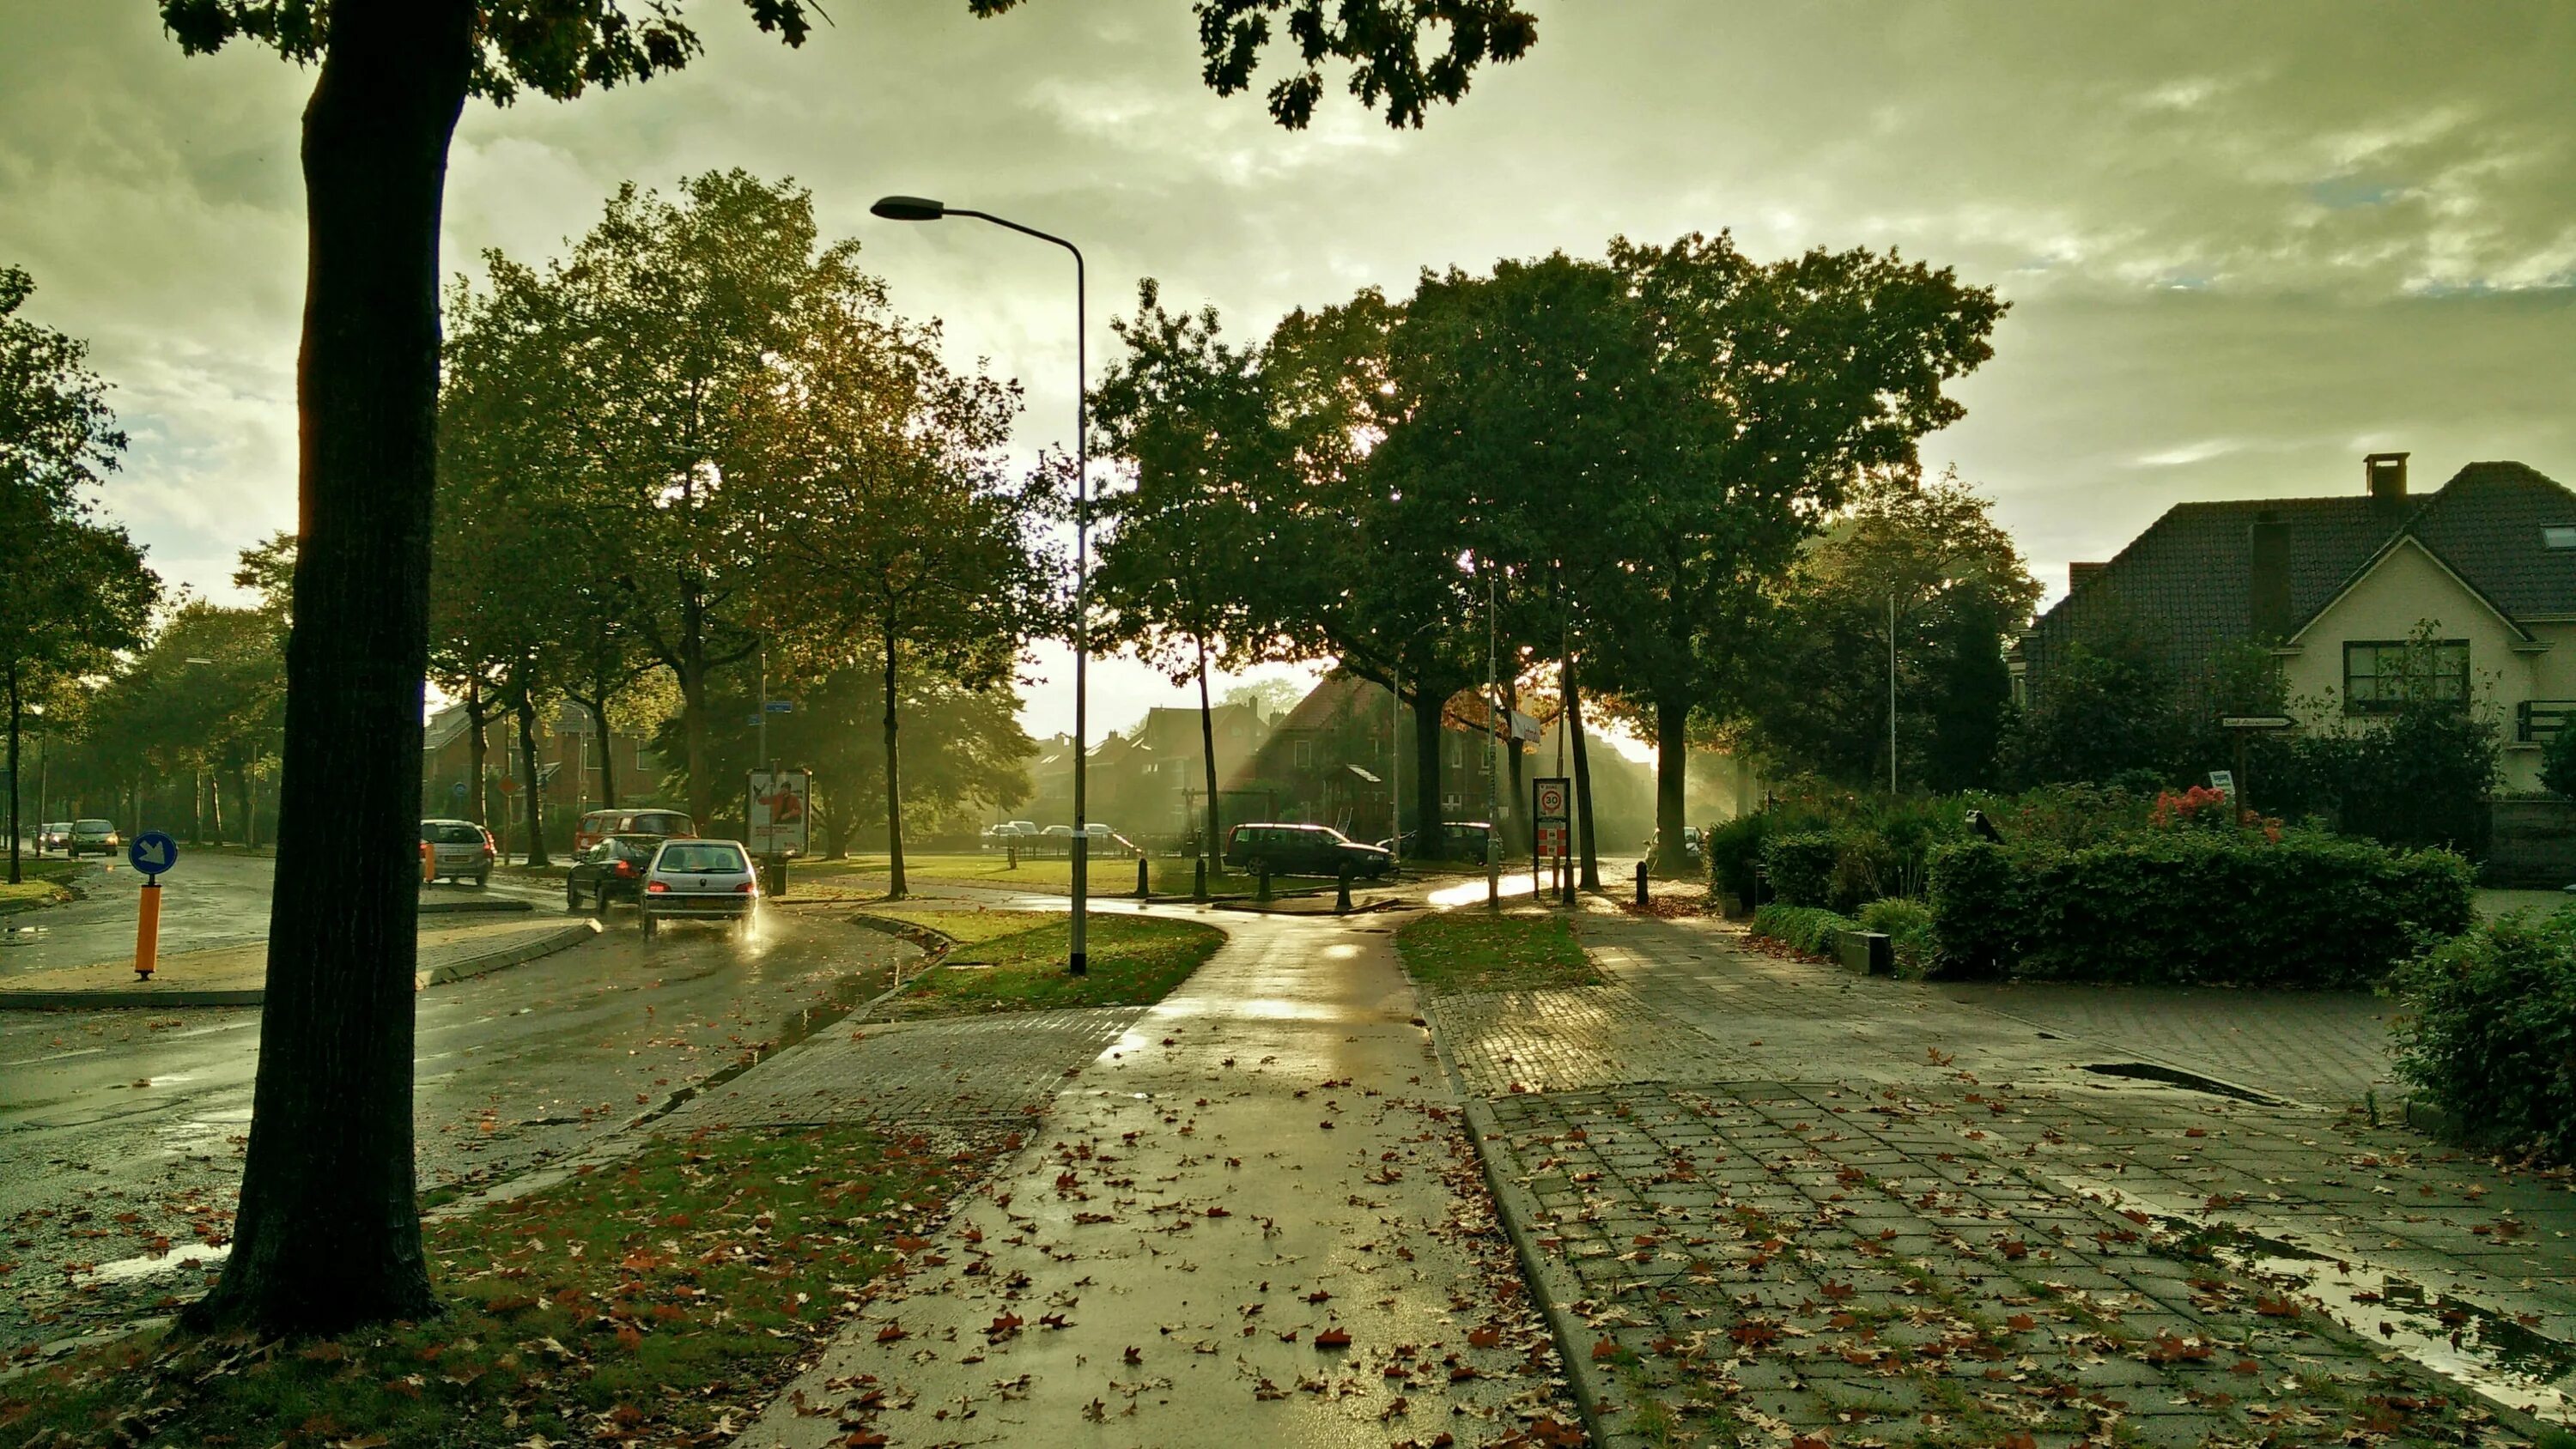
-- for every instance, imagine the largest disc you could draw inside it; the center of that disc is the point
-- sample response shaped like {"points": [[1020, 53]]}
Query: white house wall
{"points": [[2408, 588]]}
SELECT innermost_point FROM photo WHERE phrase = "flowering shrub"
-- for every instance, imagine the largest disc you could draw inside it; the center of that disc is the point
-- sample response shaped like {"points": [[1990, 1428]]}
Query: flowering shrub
{"points": [[2202, 808]]}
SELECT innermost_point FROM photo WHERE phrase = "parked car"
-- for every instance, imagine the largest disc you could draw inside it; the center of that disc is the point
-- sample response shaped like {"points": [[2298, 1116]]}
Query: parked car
{"points": [[1455, 840], [1009, 833], [94, 837], [1302, 850], [55, 835], [699, 880], [597, 825], [459, 849], [612, 870]]}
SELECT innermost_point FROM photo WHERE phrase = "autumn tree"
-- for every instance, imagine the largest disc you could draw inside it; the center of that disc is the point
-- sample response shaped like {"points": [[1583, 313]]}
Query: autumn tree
{"points": [[328, 1234], [888, 527]]}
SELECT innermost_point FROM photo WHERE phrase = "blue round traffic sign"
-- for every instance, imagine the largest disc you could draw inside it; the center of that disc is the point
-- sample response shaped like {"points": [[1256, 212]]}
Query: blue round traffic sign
{"points": [[152, 852]]}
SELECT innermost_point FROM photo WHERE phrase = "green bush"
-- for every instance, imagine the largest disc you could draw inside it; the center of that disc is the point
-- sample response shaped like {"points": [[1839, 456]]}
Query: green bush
{"points": [[1801, 864], [1908, 928], [2493, 1037], [2187, 907], [1803, 927], [1734, 851]]}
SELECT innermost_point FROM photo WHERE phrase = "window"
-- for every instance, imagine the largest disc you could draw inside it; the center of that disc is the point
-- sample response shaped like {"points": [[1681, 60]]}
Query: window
{"points": [[2560, 537], [1305, 753], [2375, 679]]}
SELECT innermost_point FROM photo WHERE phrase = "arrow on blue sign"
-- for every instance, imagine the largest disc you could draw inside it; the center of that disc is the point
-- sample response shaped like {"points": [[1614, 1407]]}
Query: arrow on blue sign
{"points": [[152, 852]]}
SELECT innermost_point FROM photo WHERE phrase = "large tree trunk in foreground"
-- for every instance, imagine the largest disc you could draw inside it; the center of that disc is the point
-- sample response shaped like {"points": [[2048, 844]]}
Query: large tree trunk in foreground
{"points": [[328, 1232], [1672, 774], [894, 783], [1426, 773], [1582, 777]]}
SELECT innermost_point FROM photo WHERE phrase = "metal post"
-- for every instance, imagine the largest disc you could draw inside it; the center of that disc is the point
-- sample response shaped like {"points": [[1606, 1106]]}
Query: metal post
{"points": [[1891, 694], [1493, 701], [1395, 773]]}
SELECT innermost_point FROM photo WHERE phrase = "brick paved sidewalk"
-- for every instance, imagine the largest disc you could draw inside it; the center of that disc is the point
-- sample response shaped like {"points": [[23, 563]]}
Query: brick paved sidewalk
{"points": [[1786, 1202]]}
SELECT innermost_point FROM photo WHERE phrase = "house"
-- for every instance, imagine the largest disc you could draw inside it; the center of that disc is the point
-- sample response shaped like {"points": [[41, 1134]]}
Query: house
{"points": [[2333, 588], [571, 766], [1331, 759]]}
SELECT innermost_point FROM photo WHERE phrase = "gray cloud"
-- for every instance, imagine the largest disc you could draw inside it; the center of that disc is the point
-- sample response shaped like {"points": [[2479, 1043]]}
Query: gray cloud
{"points": [[2244, 243]]}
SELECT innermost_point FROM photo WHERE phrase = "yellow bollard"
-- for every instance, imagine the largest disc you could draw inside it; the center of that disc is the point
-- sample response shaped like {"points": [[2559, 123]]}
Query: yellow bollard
{"points": [[147, 930]]}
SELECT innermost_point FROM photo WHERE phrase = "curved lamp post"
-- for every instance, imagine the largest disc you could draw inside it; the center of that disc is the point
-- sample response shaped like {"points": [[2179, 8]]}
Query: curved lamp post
{"points": [[921, 208]]}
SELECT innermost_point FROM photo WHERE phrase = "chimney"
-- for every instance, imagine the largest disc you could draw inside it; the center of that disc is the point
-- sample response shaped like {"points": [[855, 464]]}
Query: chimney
{"points": [[2267, 561], [2386, 473], [2080, 574]]}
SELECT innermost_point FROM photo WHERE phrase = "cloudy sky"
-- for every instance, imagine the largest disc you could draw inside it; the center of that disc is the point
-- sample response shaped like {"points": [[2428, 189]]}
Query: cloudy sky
{"points": [[2244, 244]]}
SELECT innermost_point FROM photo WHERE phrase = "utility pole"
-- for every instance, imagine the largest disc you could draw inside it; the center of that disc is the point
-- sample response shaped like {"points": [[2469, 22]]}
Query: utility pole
{"points": [[1891, 694], [1394, 771]]}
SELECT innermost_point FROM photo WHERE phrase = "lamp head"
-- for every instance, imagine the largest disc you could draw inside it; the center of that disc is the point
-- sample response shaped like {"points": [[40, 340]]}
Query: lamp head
{"points": [[908, 208]]}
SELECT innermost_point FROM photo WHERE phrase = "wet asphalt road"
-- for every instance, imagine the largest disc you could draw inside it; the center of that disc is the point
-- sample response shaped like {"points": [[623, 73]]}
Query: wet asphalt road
{"points": [[122, 1129]]}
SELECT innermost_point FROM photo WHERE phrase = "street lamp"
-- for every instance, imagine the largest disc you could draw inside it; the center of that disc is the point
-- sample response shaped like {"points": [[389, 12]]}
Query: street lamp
{"points": [[919, 208]]}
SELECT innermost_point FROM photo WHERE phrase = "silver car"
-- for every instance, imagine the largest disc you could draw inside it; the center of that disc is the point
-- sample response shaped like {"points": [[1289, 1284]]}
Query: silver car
{"points": [[700, 880]]}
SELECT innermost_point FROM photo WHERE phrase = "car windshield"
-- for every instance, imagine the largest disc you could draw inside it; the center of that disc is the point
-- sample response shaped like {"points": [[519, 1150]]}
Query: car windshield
{"points": [[661, 824], [458, 833], [702, 858], [632, 849], [95, 827]]}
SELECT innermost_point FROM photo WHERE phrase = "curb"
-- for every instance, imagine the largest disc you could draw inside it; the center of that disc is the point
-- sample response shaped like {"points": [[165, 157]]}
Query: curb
{"points": [[454, 905], [471, 966], [1547, 1278]]}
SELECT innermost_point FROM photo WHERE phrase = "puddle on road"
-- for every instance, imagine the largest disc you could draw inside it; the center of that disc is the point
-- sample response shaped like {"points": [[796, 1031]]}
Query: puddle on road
{"points": [[126, 1270], [2456, 1337]]}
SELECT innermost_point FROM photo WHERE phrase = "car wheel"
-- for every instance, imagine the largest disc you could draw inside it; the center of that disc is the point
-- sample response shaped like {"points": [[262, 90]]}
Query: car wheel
{"points": [[572, 897], [650, 926], [483, 880], [603, 901]]}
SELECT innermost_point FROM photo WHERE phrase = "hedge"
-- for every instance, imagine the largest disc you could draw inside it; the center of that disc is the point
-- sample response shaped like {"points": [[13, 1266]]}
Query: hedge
{"points": [[1734, 851], [2493, 1038], [1804, 927], [2195, 907], [1801, 864], [1908, 928]]}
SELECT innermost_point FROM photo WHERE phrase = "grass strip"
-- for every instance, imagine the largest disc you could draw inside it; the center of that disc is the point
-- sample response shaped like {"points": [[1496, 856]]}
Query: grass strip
{"points": [[1133, 961], [660, 1300], [1451, 952]]}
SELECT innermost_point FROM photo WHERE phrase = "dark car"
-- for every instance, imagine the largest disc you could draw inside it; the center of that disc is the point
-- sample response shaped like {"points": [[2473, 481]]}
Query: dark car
{"points": [[1301, 850], [1456, 840], [610, 871]]}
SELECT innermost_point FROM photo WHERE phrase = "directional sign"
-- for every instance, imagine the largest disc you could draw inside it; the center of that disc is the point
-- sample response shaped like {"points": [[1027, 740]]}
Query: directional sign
{"points": [[780, 706], [152, 852]]}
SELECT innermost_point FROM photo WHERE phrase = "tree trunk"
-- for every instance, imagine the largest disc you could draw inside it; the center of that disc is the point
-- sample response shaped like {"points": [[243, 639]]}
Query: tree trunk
{"points": [[327, 1234], [1582, 775], [1672, 774], [1517, 840], [598, 707], [477, 789], [1426, 773], [894, 784], [533, 787], [1213, 848], [693, 706], [14, 876]]}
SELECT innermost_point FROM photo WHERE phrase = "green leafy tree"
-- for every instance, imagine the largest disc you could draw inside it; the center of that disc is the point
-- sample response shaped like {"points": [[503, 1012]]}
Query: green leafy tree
{"points": [[2420, 774], [74, 591], [327, 1235], [2110, 707], [1931, 562], [1184, 410]]}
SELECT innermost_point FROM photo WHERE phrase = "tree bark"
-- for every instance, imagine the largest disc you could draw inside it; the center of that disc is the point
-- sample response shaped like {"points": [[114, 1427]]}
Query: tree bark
{"points": [[894, 784], [14, 876], [477, 789], [598, 707], [328, 1229], [1426, 773], [693, 705], [1517, 840], [1582, 775], [1213, 847], [1672, 775], [534, 787]]}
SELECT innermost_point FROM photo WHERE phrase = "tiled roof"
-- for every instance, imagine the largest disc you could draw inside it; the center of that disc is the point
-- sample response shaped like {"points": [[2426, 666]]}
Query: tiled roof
{"points": [[2187, 579]]}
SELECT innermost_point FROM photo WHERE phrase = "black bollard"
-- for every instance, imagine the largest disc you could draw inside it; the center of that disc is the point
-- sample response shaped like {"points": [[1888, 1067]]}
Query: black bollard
{"points": [[1144, 883], [1198, 879], [1011, 857], [1342, 891], [1262, 893], [1641, 882]]}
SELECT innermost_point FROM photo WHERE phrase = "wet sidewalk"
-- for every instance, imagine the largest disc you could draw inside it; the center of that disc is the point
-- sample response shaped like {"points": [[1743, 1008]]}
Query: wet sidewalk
{"points": [[1253, 1217], [1780, 1198]]}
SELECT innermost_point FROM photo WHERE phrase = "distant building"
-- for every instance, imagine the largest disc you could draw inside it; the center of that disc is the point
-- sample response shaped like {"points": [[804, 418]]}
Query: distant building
{"points": [[2333, 587], [571, 766]]}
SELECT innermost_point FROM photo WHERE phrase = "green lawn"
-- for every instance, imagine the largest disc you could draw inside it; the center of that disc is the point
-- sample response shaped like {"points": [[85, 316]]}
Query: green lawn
{"points": [[660, 1300], [1133, 961], [1468, 950], [40, 884]]}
